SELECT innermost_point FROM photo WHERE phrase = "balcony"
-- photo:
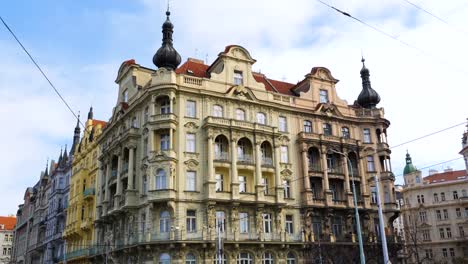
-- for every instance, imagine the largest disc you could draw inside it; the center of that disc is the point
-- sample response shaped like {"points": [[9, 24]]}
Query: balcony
{"points": [[267, 161], [339, 202], [88, 193], [221, 157], [245, 159], [86, 223], [315, 167], [161, 195], [164, 119], [336, 170], [242, 124], [302, 136]]}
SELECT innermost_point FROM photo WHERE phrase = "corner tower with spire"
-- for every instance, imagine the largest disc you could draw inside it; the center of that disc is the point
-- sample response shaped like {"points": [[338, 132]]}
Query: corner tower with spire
{"points": [[167, 56], [368, 98]]}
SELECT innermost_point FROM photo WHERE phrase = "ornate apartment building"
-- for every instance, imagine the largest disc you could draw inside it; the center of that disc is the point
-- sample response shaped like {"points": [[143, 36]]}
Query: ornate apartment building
{"points": [[198, 154], [79, 229], [7, 225], [41, 218], [435, 215], [57, 190]]}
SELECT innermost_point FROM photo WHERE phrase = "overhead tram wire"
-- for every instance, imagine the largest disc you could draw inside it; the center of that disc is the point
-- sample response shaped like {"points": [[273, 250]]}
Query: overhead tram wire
{"points": [[391, 36], [42, 72]]}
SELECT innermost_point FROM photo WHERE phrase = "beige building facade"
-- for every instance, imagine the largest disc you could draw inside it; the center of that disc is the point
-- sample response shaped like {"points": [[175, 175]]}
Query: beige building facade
{"points": [[435, 214], [200, 152]]}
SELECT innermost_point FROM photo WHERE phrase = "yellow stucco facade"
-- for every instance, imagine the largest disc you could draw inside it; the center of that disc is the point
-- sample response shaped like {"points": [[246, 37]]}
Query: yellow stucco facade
{"points": [[79, 231]]}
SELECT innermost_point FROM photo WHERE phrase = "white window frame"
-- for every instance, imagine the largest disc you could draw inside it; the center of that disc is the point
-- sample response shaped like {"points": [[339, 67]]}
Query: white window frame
{"points": [[238, 78], [242, 184], [191, 221], [243, 223], [366, 135], [282, 124], [287, 189], [261, 118], [307, 126], [289, 224], [164, 141], [218, 111], [323, 96], [284, 154], [240, 114], [164, 222], [191, 108], [221, 221], [219, 182], [125, 96], [191, 181], [267, 223], [161, 180], [190, 142]]}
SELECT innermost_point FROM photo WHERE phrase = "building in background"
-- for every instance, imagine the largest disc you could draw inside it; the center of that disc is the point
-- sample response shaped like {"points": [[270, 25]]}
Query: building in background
{"points": [[435, 214], [79, 231], [7, 226], [197, 152], [464, 150]]}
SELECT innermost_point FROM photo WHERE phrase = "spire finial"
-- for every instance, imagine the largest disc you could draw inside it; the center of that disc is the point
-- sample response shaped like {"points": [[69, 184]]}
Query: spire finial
{"points": [[168, 12], [46, 172], [90, 113], [166, 56]]}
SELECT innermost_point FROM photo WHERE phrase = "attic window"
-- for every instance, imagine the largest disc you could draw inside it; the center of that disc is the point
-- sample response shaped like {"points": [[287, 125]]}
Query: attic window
{"points": [[238, 78], [190, 72]]}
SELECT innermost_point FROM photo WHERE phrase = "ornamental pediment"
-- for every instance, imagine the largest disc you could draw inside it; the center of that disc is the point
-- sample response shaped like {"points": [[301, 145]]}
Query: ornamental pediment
{"points": [[241, 92], [328, 109]]}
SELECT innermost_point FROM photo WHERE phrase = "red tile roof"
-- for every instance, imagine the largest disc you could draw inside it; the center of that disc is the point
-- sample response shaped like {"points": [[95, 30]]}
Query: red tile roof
{"points": [[8, 221], [446, 176], [199, 69], [99, 122]]}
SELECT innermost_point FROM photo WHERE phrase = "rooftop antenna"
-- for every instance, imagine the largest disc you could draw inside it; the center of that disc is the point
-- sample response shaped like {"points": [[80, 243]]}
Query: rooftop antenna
{"points": [[168, 5]]}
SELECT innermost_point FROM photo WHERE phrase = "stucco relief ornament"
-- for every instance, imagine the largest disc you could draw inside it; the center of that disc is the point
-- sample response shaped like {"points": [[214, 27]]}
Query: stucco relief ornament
{"points": [[191, 125], [191, 164]]}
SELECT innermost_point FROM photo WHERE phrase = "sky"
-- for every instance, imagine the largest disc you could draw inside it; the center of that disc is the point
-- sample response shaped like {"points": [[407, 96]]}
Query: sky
{"points": [[419, 72]]}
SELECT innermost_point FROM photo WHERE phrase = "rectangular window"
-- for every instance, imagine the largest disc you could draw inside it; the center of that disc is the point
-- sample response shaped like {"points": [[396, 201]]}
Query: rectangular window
{"points": [[466, 211], [323, 96], [242, 184], [267, 228], [238, 78], [244, 222], [125, 96], [265, 184], [284, 154], [145, 147], [442, 196], [458, 212], [461, 231], [449, 232], [436, 198], [240, 114], [441, 233], [164, 141], [370, 163], [287, 189], [191, 221], [219, 182], [282, 126], [221, 221], [452, 252], [367, 135], [217, 111], [146, 115], [289, 224], [307, 126], [191, 179], [426, 235], [422, 217], [438, 215], [446, 215], [190, 142], [429, 253], [444, 252], [455, 195], [261, 118], [190, 109]]}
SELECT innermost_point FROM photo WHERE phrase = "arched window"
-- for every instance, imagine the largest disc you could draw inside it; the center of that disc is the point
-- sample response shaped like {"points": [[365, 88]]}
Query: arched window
{"points": [[327, 129], [244, 258], [223, 258], [217, 111], [261, 118], [307, 126], [345, 132], [267, 258], [161, 179], [164, 222], [190, 259], [291, 259], [240, 114], [164, 258], [221, 148], [165, 105]]}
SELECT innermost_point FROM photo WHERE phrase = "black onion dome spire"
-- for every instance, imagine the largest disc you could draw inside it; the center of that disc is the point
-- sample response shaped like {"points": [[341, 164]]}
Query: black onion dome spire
{"points": [[166, 56], [368, 98], [90, 113], [76, 136]]}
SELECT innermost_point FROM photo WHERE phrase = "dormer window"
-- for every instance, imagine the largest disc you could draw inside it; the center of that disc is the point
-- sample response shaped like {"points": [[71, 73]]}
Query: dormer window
{"points": [[238, 78], [323, 96], [125, 96]]}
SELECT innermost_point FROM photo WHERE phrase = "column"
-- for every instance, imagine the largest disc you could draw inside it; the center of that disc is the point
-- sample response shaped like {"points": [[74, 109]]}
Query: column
{"points": [[119, 169], [210, 159], [258, 164], [277, 167], [108, 176], [323, 157], [170, 138], [130, 167], [98, 184], [346, 174], [171, 105], [151, 141], [305, 169], [234, 177]]}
